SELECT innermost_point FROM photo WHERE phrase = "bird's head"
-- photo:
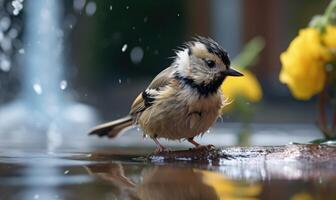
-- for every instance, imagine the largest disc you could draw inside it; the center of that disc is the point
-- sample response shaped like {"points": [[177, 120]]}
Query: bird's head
{"points": [[204, 62]]}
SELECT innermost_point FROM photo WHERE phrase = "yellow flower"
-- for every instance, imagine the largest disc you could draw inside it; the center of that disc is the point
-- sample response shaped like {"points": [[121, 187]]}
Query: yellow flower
{"points": [[302, 196], [228, 189], [246, 86], [303, 64], [329, 37]]}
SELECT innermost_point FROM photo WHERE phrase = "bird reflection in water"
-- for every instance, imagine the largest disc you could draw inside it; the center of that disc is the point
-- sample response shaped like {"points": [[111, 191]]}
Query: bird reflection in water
{"points": [[167, 182]]}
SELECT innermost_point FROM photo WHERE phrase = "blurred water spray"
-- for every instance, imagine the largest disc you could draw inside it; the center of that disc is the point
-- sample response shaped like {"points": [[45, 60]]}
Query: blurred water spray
{"points": [[44, 114]]}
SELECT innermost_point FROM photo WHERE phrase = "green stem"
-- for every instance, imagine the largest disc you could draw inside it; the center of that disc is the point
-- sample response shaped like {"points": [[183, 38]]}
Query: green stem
{"points": [[329, 11]]}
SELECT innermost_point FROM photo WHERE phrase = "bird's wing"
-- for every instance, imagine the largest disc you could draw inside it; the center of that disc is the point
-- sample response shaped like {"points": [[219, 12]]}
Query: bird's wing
{"points": [[146, 98]]}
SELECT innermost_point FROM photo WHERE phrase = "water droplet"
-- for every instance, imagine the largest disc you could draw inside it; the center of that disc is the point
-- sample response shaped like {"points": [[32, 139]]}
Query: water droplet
{"points": [[66, 172], [17, 5], [21, 51], [137, 54], [70, 26], [127, 7], [78, 4], [145, 19], [5, 23], [13, 33], [124, 48], [90, 8], [6, 44], [63, 84], [5, 65], [119, 81], [37, 88], [36, 196], [133, 27], [178, 14], [111, 7]]}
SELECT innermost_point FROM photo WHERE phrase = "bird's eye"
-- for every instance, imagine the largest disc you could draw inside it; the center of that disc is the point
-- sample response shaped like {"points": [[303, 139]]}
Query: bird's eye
{"points": [[210, 63]]}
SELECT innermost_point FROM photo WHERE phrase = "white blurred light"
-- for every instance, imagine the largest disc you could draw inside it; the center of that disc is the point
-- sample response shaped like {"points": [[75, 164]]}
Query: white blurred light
{"points": [[21, 51], [13, 33], [37, 88], [136, 54], [124, 48], [5, 64], [6, 44], [90, 8], [5, 22], [17, 5], [63, 84], [78, 4]]}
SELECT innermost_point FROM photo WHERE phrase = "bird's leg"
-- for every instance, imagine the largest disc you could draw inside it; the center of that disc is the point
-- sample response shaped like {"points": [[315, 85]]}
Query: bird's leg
{"points": [[159, 147], [191, 140], [198, 146]]}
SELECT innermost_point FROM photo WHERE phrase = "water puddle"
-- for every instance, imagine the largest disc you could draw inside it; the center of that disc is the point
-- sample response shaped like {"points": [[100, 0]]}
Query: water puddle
{"points": [[128, 174]]}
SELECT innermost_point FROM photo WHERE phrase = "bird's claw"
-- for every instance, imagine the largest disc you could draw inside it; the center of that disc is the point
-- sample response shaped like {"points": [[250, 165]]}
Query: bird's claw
{"points": [[207, 147]]}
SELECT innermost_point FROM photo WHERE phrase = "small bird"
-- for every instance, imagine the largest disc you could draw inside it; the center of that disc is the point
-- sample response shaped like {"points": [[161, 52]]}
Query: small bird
{"points": [[183, 100]]}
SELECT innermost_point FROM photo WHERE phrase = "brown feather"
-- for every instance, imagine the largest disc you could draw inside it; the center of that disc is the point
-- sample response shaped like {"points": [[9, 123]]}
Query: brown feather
{"points": [[138, 105], [162, 79], [112, 129]]}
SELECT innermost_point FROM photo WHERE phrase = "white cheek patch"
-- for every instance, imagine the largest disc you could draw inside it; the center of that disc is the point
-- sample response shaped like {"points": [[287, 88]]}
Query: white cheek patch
{"points": [[183, 62]]}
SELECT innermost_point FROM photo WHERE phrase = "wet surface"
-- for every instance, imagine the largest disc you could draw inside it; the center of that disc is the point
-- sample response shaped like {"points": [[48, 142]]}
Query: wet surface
{"points": [[284, 172]]}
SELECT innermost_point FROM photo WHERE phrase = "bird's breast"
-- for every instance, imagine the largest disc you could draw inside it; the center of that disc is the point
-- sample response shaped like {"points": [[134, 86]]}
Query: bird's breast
{"points": [[178, 114]]}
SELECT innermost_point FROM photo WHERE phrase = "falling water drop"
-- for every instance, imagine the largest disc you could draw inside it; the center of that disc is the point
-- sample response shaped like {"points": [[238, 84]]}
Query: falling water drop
{"points": [[124, 48], [37, 88], [63, 84], [111, 7], [119, 81]]}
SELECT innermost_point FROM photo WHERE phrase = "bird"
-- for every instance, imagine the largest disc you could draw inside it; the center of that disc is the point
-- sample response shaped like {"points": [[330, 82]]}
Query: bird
{"points": [[182, 101]]}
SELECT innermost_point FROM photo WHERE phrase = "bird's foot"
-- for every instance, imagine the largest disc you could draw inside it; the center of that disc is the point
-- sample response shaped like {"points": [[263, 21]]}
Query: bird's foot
{"points": [[199, 146], [207, 147], [161, 149]]}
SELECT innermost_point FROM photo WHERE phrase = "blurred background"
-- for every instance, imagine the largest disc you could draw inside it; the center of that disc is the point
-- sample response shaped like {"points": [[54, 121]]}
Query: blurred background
{"points": [[113, 48]]}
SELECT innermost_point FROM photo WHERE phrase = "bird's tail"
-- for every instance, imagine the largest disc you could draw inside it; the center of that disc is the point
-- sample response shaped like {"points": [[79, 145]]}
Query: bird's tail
{"points": [[112, 129]]}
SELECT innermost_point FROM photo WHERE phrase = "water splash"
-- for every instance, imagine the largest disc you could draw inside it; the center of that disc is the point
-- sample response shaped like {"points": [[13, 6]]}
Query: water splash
{"points": [[42, 106]]}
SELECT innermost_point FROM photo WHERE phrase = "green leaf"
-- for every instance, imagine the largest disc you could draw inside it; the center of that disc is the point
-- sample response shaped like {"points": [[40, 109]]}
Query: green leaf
{"points": [[250, 53]]}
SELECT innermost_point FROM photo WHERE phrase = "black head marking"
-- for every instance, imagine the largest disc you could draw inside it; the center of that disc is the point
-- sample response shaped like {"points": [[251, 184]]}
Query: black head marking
{"points": [[204, 89], [215, 48]]}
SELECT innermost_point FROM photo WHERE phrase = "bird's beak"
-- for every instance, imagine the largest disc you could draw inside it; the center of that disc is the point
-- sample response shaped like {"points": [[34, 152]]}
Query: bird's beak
{"points": [[233, 72]]}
